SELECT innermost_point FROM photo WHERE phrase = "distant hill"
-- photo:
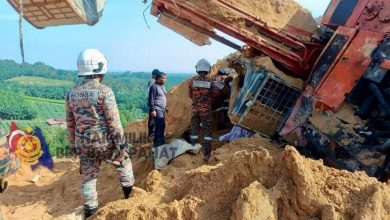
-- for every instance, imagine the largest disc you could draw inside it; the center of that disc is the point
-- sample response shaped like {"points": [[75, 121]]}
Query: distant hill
{"points": [[33, 93], [32, 80], [39, 80], [10, 69]]}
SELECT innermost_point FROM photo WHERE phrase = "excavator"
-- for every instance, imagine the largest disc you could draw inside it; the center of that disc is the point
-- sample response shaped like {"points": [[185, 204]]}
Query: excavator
{"points": [[340, 113]]}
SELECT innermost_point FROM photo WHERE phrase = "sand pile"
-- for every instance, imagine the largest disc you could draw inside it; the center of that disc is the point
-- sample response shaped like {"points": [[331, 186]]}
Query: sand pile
{"points": [[266, 62], [250, 180], [276, 13], [180, 109], [281, 14], [246, 179], [340, 125], [56, 194]]}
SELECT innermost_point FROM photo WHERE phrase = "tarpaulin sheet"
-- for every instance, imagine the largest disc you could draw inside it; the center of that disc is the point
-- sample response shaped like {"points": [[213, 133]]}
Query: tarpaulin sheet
{"points": [[167, 152]]}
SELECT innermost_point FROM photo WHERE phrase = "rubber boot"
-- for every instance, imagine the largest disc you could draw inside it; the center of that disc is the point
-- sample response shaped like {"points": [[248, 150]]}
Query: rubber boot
{"points": [[194, 141], [89, 212], [206, 158], [127, 191], [3, 186], [207, 151]]}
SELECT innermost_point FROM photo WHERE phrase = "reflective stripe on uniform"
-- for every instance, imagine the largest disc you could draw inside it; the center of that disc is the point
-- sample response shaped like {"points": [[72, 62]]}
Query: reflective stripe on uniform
{"points": [[222, 108], [208, 138], [219, 85], [194, 136], [201, 84]]}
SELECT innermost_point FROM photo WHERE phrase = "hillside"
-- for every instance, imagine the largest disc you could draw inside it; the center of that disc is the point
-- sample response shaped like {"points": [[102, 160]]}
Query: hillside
{"points": [[10, 69], [39, 80], [31, 80], [47, 108], [34, 93]]}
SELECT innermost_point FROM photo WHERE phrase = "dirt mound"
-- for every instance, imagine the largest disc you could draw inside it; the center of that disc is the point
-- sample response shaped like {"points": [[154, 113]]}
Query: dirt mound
{"points": [[281, 14], [249, 181], [56, 193], [276, 13], [266, 62], [180, 109], [246, 179]]}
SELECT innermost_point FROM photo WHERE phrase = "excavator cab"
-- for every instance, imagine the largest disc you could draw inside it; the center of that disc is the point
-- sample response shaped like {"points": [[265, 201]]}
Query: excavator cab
{"points": [[265, 100]]}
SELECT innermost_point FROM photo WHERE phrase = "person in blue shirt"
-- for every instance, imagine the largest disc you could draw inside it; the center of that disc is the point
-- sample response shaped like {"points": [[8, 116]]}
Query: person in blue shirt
{"points": [[151, 122], [157, 102]]}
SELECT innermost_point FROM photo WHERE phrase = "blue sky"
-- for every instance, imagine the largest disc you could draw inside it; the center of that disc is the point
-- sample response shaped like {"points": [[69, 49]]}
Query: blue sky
{"points": [[121, 34]]}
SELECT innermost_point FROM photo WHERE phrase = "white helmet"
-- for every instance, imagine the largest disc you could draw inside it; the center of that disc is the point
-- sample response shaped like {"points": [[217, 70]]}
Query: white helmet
{"points": [[91, 62], [203, 66]]}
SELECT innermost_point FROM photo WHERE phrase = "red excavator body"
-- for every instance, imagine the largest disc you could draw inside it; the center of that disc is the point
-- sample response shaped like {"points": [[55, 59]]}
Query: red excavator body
{"points": [[346, 63]]}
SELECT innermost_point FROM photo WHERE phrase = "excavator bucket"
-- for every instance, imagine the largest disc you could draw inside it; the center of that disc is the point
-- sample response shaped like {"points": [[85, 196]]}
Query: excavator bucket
{"points": [[46, 13]]}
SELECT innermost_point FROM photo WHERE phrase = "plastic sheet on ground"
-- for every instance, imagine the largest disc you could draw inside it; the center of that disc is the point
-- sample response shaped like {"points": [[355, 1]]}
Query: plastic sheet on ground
{"points": [[168, 152], [236, 133]]}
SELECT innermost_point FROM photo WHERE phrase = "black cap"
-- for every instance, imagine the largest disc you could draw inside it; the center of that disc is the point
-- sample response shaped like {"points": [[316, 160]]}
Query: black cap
{"points": [[155, 72]]}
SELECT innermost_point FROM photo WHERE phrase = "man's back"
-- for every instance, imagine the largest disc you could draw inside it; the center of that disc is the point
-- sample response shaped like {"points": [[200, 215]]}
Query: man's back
{"points": [[150, 83], [201, 92], [93, 113]]}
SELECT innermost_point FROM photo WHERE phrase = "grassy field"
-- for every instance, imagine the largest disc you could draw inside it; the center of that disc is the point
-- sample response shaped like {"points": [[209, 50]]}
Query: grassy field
{"points": [[37, 99], [31, 80], [47, 108]]}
